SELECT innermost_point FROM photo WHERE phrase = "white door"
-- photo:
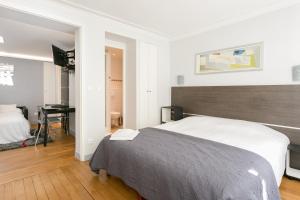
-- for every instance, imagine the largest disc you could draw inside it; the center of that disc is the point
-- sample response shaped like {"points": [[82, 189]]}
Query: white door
{"points": [[52, 83], [152, 85], [148, 108]]}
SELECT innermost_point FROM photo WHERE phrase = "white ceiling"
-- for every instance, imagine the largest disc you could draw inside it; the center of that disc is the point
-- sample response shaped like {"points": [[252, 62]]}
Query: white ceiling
{"points": [[32, 36], [179, 18]]}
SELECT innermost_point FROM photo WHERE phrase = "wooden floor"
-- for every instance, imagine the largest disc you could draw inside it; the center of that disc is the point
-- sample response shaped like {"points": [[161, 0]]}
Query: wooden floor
{"points": [[53, 173]]}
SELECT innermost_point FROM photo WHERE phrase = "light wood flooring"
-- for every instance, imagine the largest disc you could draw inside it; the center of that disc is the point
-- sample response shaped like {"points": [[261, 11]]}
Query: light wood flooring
{"points": [[54, 173]]}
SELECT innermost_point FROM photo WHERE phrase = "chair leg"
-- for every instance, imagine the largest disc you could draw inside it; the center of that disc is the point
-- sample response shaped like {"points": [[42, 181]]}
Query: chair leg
{"points": [[38, 135], [36, 132]]}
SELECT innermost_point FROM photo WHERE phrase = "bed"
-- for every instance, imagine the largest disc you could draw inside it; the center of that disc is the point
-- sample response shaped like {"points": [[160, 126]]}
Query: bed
{"points": [[198, 158], [205, 157], [14, 126]]}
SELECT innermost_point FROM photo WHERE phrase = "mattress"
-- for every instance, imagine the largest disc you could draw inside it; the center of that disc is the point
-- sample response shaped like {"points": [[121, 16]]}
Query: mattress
{"points": [[257, 138], [13, 127]]}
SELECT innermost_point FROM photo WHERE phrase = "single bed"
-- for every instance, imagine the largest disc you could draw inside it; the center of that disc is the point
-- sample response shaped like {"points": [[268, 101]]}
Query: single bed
{"points": [[198, 158], [14, 126]]}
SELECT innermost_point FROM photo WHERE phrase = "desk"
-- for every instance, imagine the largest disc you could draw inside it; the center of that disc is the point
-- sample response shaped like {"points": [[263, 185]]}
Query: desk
{"points": [[55, 109]]}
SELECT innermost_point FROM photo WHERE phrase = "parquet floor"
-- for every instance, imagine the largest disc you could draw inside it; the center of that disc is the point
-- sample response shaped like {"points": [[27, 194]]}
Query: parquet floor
{"points": [[54, 173]]}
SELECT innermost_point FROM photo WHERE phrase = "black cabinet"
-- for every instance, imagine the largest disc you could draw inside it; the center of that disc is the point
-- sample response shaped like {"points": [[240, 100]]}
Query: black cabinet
{"points": [[171, 113]]}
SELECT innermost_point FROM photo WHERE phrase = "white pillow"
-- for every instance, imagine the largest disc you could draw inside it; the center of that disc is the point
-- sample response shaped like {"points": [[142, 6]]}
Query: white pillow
{"points": [[8, 108]]}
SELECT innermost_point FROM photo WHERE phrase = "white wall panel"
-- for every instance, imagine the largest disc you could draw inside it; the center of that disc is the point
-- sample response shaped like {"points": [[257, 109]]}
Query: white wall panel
{"points": [[90, 69]]}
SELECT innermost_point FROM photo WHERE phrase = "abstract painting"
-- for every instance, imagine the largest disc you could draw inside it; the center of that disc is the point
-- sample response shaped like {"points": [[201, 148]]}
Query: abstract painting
{"points": [[6, 74], [242, 58]]}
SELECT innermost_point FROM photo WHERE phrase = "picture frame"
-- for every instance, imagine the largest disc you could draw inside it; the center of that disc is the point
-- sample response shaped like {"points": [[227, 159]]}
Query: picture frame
{"points": [[234, 59]]}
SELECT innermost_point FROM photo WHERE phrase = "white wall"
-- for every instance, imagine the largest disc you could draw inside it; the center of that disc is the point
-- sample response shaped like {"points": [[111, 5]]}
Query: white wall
{"points": [[280, 32], [52, 83], [90, 77], [28, 85]]}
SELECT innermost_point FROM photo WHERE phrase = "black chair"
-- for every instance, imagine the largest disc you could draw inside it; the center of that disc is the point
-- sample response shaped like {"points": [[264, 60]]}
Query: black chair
{"points": [[56, 118]]}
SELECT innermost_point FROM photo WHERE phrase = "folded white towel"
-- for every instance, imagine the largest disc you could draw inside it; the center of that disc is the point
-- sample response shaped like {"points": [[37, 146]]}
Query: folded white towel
{"points": [[124, 134]]}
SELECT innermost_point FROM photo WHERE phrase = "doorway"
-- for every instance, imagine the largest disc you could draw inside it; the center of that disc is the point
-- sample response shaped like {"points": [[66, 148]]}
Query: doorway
{"points": [[114, 73], [49, 85]]}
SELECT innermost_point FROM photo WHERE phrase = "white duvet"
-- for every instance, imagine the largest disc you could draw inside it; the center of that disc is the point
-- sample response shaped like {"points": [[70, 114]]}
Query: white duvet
{"points": [[13, 127], [251, 136]]}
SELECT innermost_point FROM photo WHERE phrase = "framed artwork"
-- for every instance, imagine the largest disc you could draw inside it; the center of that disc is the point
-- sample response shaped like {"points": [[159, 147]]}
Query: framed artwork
{"points": [[6, 74], [241, 58]]}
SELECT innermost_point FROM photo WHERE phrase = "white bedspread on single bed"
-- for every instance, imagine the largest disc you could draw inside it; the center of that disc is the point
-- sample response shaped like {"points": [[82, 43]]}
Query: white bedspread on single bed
{"points": [[13, 127], [251, 136]]}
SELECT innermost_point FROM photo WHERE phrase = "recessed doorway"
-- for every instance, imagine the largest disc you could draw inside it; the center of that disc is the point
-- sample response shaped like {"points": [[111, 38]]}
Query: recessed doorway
{"points": [[114, 68]]}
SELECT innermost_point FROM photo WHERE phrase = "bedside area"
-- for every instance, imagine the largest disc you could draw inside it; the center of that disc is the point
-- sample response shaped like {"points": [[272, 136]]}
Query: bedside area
{"points": [[171, 113], [293, 162]]}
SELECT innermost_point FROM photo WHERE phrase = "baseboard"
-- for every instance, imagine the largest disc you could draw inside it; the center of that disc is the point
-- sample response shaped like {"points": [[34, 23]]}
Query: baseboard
{"points": [[77, 155], [88, 157], [72, 132], [85, 157]]}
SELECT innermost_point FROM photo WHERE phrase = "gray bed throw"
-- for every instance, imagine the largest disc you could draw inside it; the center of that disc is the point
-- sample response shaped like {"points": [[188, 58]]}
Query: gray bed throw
{"points": [[163, 165]]}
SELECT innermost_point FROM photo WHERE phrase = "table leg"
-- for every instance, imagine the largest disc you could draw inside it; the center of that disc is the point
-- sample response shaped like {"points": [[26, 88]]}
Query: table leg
{"points": [[68, 124], [63, 122], [46, 130]]}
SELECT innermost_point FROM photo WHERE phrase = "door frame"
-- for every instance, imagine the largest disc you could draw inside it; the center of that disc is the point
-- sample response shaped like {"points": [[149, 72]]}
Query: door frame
{"points": [[107, 89], [122, 46]]}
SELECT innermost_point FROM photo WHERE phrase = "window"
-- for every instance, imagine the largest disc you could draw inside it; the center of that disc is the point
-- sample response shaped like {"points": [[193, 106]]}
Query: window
{"points": [[6, 74]]}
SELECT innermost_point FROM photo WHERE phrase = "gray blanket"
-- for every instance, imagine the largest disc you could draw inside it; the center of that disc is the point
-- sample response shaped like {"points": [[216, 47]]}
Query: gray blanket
{"points": [[163, 165]]}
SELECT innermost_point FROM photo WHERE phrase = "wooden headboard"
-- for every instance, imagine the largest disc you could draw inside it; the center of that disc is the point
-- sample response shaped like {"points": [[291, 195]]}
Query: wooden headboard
{"points": [[276, 105]]}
